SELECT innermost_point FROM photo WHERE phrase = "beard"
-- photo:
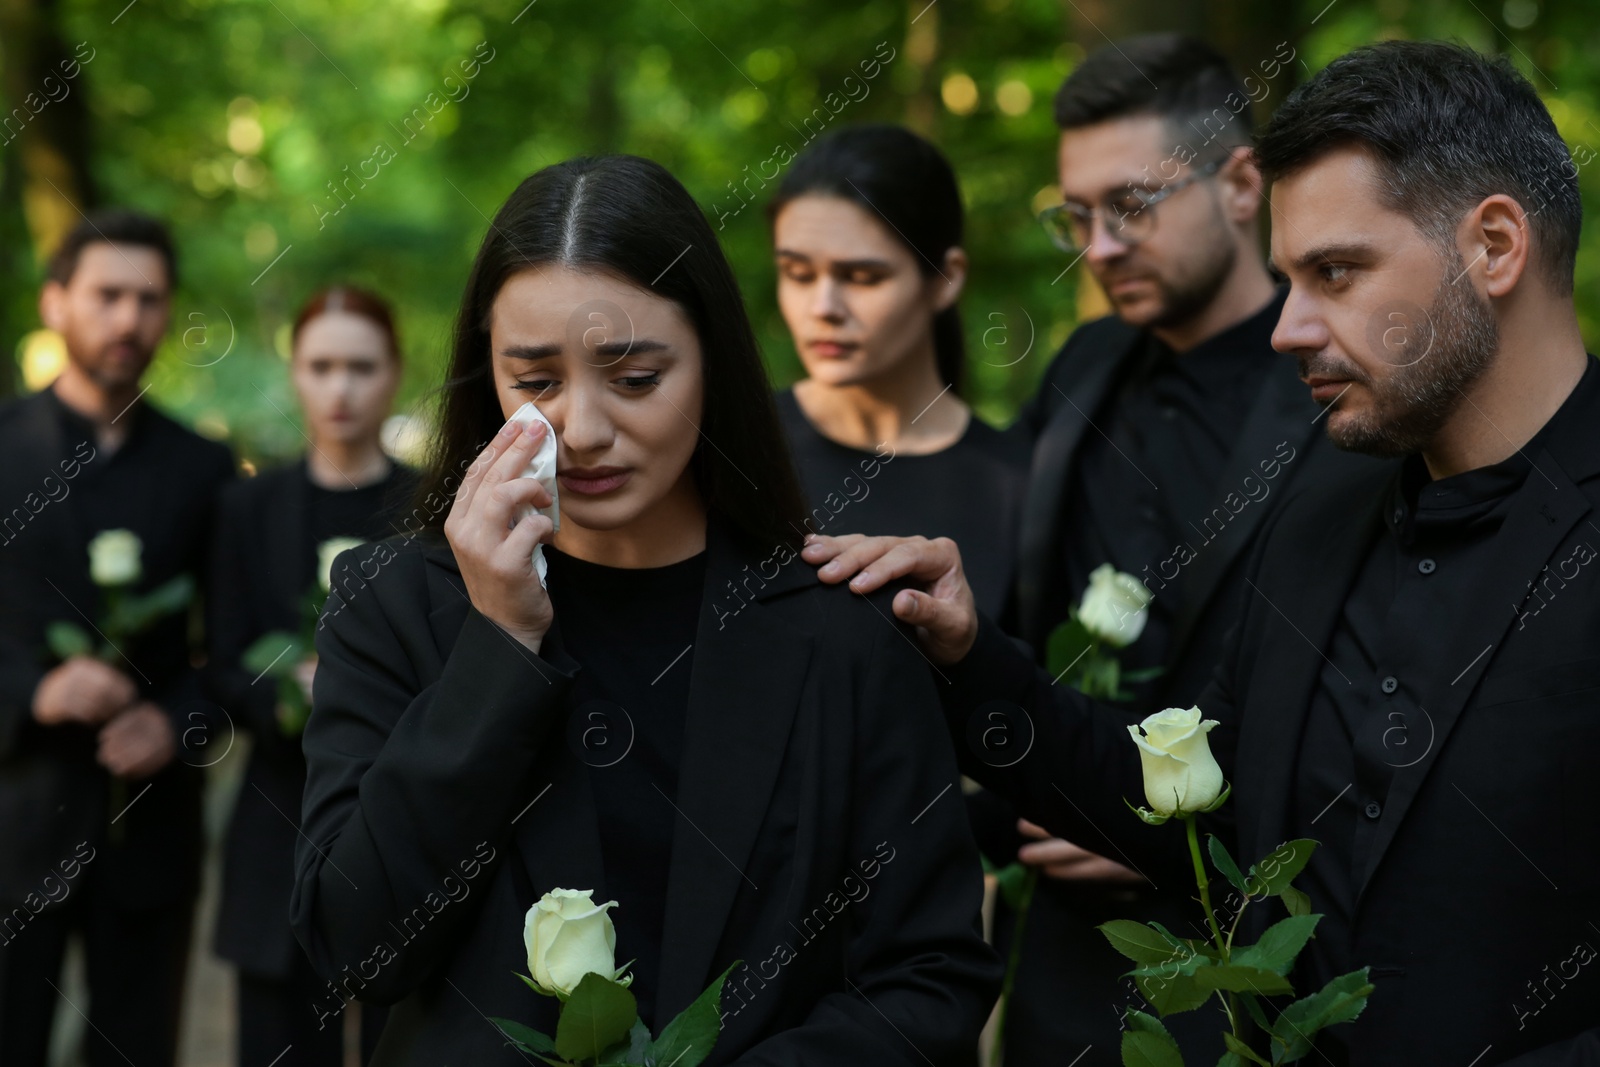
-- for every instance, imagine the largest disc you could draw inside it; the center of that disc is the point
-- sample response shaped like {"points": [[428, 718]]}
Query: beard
{"points": [[1190, 288], [1458, 336]]}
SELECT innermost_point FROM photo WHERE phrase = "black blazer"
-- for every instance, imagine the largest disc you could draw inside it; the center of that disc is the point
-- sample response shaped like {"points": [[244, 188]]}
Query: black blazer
{"points": [[440, 764], [261, 566], [1057, 420], [54, 795], [1453, 921]]}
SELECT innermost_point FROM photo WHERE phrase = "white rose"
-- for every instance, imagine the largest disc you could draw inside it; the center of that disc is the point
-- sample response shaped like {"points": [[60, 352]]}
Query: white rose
{"points": [[1115, 607], [114, 557], [568, 936], [1180, 774], [327, 552]]}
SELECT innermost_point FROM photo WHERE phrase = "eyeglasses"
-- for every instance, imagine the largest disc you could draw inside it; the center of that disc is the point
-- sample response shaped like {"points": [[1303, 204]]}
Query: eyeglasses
{"points": [[1129, 217]]}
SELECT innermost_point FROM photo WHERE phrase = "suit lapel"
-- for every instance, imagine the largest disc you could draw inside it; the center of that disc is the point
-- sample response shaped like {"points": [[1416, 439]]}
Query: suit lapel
{"points": [[1049, 479], [745, 684], [1544, 512], [1302, 607], [1279, 414]]}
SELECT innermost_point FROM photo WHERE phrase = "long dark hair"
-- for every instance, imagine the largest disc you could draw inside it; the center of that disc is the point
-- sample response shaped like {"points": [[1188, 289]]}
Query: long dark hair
{"points": [[627, 217], [905, 180]]}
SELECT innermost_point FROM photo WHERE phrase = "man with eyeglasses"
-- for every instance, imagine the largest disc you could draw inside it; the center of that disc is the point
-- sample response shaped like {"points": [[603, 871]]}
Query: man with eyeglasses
{"points": [[1163, 436]]}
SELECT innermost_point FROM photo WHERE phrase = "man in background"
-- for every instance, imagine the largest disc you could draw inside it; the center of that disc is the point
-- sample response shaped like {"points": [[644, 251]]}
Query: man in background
{"points": [[99, 780], [1163, 437]]}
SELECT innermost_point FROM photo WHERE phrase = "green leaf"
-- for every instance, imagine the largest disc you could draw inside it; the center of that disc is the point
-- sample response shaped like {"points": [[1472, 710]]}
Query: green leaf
{"points": [[1242, 1050], [1279, 944], [1239, 979], [1252, 1007], [1296, 901], [597, 1015], [1340, 1001], [1067, 646], [1009, 880], [1145, 1048], [1230, 1059], [1174, 987], [1274, 873], [1224, 861], [535, 986], [1138, 942], [67, 639], [689, 1038], [274, 654], [524, 1037], [132, 613], [631, 1054]]}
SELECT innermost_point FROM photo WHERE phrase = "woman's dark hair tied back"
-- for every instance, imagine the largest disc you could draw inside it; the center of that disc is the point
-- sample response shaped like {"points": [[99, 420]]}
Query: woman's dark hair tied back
{"points": [[904, 180]]}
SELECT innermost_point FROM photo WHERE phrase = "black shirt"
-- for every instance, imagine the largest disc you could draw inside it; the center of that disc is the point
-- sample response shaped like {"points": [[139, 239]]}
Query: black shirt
{"points": [[632, 631], [1368, 716], [971, 492], [1151, 471], [364, 511]]}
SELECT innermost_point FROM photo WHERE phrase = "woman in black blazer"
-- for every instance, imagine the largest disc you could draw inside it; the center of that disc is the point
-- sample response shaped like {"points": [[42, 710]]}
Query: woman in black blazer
{"points": [[345, 367], [678, 716]]}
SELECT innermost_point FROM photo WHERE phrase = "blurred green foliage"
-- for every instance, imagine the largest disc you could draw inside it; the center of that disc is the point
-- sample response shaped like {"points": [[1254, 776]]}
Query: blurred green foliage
{"points": [[236, 120]]}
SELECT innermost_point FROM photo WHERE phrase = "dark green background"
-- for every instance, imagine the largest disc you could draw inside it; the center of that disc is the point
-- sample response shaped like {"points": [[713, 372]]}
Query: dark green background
{"points": [[706, 88]]}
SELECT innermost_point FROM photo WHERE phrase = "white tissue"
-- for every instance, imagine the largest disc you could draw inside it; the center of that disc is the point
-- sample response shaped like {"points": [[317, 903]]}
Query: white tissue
{"points": [[541, 467]]}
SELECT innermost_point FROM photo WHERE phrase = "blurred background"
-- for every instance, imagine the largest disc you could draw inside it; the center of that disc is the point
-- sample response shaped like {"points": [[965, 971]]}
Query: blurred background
{"points": [[293, 143]]}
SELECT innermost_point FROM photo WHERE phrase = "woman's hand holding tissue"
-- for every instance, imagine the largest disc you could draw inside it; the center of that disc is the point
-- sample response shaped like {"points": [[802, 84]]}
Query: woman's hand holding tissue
{"points": [[496, 550]]}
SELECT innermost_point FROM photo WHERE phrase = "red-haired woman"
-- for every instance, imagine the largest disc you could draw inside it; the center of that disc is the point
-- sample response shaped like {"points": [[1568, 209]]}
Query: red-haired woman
{"points": [[276, 533]]}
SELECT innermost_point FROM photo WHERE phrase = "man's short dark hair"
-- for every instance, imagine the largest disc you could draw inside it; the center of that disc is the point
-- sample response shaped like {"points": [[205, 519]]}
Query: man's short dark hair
{"points": [[1447, 127], [1167, 75], [113, 226]]}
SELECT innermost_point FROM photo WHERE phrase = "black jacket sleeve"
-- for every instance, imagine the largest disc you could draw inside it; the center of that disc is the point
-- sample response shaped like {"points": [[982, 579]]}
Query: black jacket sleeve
{"points": [[921, 980], [397, 772]]}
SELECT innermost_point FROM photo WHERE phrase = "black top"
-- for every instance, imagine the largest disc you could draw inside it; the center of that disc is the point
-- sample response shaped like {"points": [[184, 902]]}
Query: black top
{"points": [[970, 492], [62, 489], [363, 511], [1368, 717], [1148, 475], [632, 630], [819, 836], [263, 563]]}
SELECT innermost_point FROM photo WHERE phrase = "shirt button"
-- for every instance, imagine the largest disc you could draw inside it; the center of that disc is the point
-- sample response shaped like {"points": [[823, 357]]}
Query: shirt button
{"points": [[1427, 566], [1390, 684], [1169, 413], [1373, 810]]}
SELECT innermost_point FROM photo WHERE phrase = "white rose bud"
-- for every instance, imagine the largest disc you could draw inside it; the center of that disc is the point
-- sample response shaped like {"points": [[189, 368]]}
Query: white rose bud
{"points": [[326, 553], [1115, 607], [114, 557], [568, 936], [1180, 774]]}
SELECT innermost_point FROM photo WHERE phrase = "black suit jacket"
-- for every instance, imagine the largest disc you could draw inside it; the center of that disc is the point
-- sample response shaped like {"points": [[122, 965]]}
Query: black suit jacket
{"points": [[1487, 870], [261, 570], [1281, 428], [814, 753], [53, 793]]}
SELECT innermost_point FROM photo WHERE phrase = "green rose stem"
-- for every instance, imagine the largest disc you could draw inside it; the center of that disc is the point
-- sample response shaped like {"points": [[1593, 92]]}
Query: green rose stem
{"points": [[1024, 902], [1230, 1002]]}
